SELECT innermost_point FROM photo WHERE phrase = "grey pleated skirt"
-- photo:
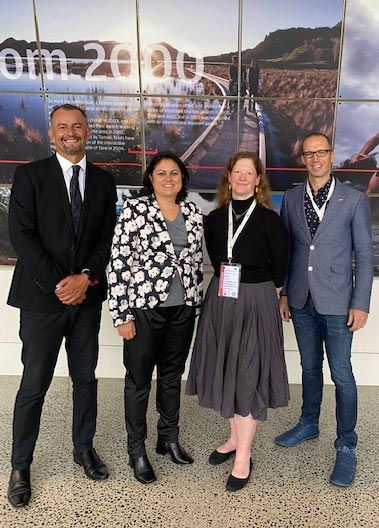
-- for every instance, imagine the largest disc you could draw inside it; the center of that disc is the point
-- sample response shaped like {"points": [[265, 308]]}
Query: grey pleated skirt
{"points": [[237, 364]]}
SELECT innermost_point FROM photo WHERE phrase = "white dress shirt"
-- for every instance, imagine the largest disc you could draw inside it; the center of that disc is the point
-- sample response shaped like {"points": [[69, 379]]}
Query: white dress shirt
{"points": [[66, 166]]}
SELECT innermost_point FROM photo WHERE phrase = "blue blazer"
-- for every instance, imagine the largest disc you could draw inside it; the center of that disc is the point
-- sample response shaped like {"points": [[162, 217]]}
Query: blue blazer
{"points": [[323, 266]]}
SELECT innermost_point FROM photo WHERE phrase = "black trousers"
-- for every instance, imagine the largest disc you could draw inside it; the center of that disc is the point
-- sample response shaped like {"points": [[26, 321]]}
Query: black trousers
{"points": [[163, 338], [41, 335]]}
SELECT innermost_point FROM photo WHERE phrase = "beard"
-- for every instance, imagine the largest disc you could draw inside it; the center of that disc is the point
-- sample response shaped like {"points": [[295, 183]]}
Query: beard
{"points": [[73, 149]]}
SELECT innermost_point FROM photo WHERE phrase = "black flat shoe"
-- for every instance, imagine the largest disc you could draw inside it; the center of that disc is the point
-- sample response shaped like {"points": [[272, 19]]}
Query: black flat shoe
{"points": [[143, 471], [94, 467], [177, 453], [217, 458], [19, 490], [235, 483]]}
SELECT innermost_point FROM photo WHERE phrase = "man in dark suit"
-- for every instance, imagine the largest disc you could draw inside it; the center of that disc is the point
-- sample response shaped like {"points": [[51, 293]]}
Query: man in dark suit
{"points": [[61, 221], [328, 222]]}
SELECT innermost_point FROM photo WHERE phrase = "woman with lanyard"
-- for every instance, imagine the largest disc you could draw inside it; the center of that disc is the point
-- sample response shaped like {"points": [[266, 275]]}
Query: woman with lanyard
{"points": [[238, 366]]}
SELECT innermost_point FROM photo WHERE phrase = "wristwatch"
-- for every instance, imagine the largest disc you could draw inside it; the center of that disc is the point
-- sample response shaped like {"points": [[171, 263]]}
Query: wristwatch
{"points": [[87, 272]]}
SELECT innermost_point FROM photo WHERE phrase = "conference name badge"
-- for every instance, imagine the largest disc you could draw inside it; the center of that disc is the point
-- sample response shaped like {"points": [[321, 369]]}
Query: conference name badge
{"points": [[230, 277]]}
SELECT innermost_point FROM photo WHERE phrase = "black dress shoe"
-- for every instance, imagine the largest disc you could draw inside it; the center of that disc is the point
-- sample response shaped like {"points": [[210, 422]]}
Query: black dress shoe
{"points": [[143, 471], [176, 452], [19, 490], [236, 484], [94, 467], [217, 458]]}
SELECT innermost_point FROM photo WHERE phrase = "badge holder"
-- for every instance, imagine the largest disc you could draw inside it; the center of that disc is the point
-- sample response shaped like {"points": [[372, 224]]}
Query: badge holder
{"points": [[230, 278]]}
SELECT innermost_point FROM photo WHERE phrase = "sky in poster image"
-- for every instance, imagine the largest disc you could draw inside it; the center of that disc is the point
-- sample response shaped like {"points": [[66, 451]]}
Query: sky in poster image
{"points": [[360, 65], [17, 20], [69, 20], [349, 139], [209, 25], [261, 17]]}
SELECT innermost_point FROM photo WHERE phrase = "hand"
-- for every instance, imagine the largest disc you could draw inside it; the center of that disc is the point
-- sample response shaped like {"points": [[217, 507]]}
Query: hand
{"points": [[357, 319], [355, 158], [284, 309], [127, 330], [72, 289]]}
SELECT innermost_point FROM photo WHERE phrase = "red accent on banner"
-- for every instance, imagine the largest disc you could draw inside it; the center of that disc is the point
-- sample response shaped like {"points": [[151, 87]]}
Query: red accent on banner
{"points": [[153, 152], [14, 162], [208, 167]]}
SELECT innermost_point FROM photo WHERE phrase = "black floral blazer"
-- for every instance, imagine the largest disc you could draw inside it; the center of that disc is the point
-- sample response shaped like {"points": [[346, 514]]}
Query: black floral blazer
{"points": [[143, 262]]}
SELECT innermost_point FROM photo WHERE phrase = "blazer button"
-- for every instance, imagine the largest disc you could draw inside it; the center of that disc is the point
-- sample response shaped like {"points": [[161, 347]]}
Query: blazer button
{"points": [[311, 247], [72, 248], [310, 268]]}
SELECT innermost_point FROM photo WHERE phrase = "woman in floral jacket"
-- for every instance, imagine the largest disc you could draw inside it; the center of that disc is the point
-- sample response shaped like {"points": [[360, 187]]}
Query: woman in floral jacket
{"points": [[155, 282]]}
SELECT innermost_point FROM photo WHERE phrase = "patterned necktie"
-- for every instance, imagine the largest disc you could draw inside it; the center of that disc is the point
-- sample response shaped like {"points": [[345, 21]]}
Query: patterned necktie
{"points": [[76, 198]]}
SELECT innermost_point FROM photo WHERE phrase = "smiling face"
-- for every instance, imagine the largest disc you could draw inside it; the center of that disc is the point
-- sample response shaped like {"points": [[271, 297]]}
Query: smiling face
{"points": [[243, 179], [166, 179], [319, 167], [69, 131]]}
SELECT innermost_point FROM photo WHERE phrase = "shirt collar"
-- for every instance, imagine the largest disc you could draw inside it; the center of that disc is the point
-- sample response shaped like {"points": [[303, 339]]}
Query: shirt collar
{"points": [[67, 164], [323, 190]]}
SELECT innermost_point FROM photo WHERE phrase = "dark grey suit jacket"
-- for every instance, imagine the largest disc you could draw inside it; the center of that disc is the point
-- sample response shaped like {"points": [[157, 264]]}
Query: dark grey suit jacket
{"points": [[42, 233], [323, 266]]}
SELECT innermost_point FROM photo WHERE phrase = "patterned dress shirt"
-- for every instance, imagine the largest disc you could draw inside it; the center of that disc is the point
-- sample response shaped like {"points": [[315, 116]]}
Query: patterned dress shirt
{"points": [[319, 198]]}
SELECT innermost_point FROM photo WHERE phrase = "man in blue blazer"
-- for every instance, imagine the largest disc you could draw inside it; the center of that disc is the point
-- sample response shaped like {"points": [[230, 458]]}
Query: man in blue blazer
{"points": [[61, 219], [328, 299]]}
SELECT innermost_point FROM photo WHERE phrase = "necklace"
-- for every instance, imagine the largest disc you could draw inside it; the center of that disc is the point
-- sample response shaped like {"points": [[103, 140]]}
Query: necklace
{"points": [[239, 216]]}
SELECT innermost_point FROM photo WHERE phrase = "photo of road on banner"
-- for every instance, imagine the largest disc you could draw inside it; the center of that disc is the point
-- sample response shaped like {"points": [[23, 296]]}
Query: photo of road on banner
{"points": [[219, 95]]}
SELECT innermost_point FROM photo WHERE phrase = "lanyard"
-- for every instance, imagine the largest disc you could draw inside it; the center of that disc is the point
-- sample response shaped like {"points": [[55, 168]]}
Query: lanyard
{"points": [[232, 239], [320, 211]]}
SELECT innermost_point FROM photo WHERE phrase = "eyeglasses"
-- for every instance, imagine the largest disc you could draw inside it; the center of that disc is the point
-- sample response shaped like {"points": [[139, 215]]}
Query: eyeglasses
{"points": [[319, 153]]}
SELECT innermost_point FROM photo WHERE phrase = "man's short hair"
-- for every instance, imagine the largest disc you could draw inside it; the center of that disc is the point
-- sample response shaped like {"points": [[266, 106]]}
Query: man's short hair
{"points": [[317, 134], [68, 106]]}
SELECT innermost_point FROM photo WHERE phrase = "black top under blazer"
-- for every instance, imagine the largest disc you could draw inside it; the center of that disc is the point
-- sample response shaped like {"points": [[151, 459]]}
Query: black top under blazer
{"points": [[42, 233]]}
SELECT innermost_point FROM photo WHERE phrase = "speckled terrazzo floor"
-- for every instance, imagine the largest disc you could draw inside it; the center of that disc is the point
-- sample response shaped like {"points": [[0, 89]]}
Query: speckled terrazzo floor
{"points": [[289, 487]]}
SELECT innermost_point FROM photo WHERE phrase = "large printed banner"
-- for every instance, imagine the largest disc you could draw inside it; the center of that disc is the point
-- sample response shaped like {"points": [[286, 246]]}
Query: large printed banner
{"points": [[184, 85], [172, 77]]}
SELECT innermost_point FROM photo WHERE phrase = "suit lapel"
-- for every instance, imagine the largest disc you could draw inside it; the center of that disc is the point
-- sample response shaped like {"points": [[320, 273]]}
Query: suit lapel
{"points": [[60, 188], [300, 212], [188, 222]]}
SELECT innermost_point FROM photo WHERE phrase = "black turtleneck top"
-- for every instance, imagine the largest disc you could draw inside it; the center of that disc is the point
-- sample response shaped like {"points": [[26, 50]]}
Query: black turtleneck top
{"points": [[262, 248]]}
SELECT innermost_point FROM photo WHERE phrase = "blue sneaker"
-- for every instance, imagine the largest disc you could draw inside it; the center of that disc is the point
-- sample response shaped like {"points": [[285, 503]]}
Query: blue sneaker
{"points": [[298, 434], [344, 468]]}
